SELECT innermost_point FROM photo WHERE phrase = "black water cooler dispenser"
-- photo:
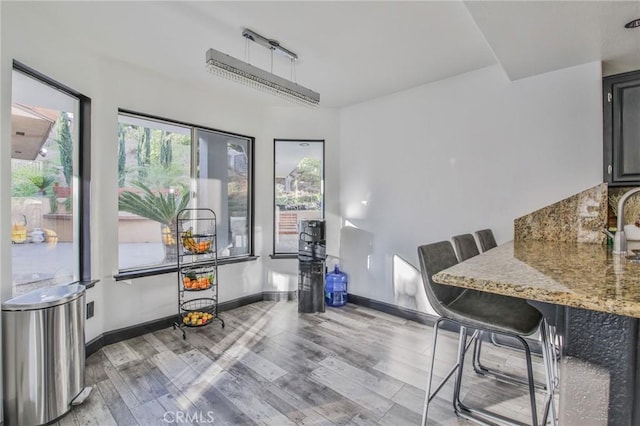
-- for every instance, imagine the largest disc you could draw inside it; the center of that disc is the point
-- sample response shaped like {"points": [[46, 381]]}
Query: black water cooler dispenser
{"points": [[312, 253]]}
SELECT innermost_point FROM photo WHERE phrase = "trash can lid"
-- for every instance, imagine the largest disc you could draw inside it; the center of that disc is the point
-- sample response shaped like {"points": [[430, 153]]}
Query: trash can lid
{"points": [[43, 298]]}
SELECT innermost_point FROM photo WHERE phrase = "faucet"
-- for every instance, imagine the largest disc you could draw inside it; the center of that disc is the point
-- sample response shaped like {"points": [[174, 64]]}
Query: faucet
{"points": [[620, 240]]}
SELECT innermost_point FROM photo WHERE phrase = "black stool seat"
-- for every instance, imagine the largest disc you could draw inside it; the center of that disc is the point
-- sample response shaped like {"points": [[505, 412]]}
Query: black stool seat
{"points": [[493, 312]]}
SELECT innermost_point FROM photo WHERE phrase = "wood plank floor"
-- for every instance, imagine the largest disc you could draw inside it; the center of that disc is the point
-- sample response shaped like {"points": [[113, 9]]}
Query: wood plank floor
{"points": [[273, 366]]}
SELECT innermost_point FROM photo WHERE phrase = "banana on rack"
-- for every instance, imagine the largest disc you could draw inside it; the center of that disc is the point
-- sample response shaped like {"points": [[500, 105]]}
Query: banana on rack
{"points": [[188, 241]]}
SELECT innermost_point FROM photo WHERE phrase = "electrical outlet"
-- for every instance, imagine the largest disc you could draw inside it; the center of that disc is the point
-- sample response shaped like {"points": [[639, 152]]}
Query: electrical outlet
{"points": [[89, 310]]}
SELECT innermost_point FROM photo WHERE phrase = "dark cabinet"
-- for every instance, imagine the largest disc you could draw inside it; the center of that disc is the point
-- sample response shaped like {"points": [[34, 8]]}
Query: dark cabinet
{"points": [[622, 129]]}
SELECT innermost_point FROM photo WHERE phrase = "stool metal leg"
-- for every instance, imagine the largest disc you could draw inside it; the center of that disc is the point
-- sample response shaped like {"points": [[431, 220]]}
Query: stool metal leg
{"points": [[549, 358], [556, 353], [427, 397], [479, 368], [532, 388], [460, 360], [428, 394], [477, 415]]}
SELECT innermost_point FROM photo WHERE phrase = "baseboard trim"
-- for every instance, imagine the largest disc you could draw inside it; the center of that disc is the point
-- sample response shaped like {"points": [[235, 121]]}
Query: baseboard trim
{"points": [[241, 301], [130, 332], [388, 308], [280, 296], [125, 333], [399, 311]]}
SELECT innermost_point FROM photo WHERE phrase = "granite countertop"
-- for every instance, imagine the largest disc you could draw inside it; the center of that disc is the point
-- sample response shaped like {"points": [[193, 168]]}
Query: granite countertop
{"points": [[579, 275]]}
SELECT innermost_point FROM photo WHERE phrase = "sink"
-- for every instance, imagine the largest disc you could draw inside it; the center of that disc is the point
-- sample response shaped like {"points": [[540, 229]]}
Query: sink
{"points": [[632, 232]]}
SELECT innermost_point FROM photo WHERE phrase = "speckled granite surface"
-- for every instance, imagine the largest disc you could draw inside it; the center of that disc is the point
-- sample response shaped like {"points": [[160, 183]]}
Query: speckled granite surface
{"points": [[580, 218], [579, 275]]}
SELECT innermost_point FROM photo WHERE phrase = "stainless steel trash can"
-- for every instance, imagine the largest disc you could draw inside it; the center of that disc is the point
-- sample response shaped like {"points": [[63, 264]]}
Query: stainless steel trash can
{"points": [[42, 353]]}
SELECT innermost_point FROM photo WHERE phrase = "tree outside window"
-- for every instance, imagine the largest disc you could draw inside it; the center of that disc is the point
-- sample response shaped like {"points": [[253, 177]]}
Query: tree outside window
{"points": [[299, 190], [156, 180]]}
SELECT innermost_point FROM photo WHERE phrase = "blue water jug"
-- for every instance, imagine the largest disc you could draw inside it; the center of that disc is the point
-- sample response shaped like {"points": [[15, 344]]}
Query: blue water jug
{"points": [[335, 289]]}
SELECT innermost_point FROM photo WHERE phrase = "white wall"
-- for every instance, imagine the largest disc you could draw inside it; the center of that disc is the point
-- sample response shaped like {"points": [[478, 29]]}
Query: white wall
{"points": [[470, 152], [34, 41]]}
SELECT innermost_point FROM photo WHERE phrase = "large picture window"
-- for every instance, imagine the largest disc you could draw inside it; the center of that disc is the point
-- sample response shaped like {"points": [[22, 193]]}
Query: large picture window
{"points": [[50, 221], [166, 166], [299, 189]]}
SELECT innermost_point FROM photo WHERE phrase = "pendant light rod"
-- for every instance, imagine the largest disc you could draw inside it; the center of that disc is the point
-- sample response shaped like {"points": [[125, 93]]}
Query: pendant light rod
{"points": [[269, 43]]}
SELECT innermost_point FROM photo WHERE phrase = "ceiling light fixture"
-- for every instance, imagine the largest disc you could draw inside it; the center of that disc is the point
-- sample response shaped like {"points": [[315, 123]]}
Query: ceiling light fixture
{"points": [[633, 24], [228, 67]]}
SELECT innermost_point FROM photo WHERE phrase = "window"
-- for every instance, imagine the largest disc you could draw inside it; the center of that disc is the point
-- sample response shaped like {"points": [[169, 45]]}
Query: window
{"points": [[223, 186], [165, 166], [299, 189], [49, 207]]}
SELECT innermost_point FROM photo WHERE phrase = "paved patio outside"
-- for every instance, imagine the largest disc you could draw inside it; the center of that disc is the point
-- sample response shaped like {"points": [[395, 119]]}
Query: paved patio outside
{"points": [[43, 265], [37, 265]]}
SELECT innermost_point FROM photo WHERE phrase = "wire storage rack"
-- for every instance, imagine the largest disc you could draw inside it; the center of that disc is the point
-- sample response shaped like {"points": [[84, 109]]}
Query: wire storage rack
{"points": [[197, 269]]}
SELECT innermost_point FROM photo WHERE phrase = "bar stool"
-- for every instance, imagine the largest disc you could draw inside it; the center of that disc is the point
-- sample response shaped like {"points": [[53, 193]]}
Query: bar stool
{"points": [[486, 239], [466, 248], [487, 242], [470, 309]]}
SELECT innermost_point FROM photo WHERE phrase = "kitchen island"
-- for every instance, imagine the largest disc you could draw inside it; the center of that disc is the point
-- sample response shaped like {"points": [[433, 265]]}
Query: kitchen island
{"points": [[595, 301]]}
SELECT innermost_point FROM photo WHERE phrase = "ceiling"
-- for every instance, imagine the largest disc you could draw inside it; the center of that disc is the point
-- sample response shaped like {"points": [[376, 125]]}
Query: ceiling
{"points": [[350, 52], [533, 37]]}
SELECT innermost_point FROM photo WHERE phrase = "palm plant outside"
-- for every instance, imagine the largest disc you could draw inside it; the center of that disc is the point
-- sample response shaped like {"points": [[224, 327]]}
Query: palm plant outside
{"points": [[42, 182], [159, 207]]}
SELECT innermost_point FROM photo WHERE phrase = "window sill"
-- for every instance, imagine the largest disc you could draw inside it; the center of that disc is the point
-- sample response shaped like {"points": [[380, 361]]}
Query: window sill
{"points": [[284, 256], [140, 273], [87, 284]]}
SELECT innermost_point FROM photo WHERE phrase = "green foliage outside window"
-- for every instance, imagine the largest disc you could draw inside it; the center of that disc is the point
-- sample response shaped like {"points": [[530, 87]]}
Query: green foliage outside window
{"points": [[42, 183], [159, 207], [21, 185], [161, 158], [305, 184], [65, 146], [122, 155]]}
